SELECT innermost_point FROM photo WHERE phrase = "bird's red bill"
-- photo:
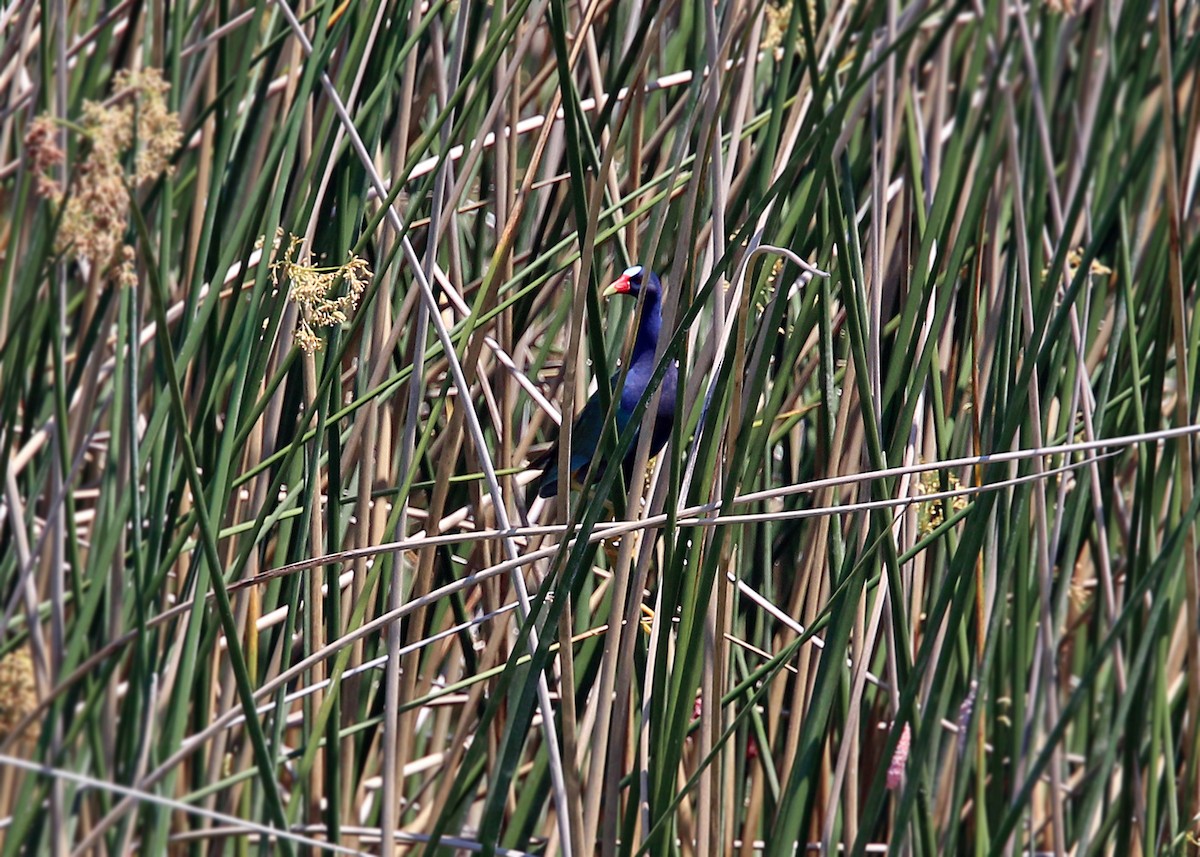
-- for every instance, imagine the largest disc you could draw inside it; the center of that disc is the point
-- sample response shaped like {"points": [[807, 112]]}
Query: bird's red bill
{"points": [[620, 287]]}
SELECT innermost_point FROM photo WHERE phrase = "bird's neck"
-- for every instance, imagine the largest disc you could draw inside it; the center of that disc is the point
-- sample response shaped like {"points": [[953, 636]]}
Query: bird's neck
{"points": [[648, 329]]}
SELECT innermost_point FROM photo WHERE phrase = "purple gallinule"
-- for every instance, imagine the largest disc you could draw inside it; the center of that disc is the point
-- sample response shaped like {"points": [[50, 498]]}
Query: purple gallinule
{"points": [[585, 435]]}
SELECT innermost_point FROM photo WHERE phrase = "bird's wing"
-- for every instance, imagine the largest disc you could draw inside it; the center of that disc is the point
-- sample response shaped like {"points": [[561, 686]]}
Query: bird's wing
{"points": [[585, 440]]}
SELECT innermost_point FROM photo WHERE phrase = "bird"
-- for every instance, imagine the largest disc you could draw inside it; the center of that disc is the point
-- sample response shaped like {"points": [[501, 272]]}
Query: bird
{"points": [[586, 430]]}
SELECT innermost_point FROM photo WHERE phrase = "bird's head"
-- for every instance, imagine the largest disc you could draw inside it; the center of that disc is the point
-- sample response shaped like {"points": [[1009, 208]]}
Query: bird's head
{"points": [[633, 281]]}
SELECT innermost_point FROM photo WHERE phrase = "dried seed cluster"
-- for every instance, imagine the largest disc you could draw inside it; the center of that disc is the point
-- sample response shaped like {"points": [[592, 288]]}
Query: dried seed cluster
{"points": [[44, 154], [18, 693], [97, 204], [777, 17]]}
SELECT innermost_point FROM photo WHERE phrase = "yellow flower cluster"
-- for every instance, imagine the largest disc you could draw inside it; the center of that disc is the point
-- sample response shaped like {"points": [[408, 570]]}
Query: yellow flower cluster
{"points": [[1096, 268], [1074, 260], [929, 514], [311, 289]]}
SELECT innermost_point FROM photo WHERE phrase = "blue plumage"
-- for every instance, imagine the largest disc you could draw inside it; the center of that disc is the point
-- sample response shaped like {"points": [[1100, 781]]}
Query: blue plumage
{"points": [[586, 431]]}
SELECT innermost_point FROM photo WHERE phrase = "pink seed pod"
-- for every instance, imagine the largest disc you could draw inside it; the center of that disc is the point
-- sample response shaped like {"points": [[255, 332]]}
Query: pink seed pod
{"points": [[899, 758]]}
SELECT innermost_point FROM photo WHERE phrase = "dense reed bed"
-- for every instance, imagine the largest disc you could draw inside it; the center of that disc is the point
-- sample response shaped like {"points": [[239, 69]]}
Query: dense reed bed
{"points": [[291, 294]]}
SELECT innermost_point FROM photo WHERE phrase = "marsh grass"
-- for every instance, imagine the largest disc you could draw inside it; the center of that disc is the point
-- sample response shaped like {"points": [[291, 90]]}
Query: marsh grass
{"points": [[918, 571]]}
